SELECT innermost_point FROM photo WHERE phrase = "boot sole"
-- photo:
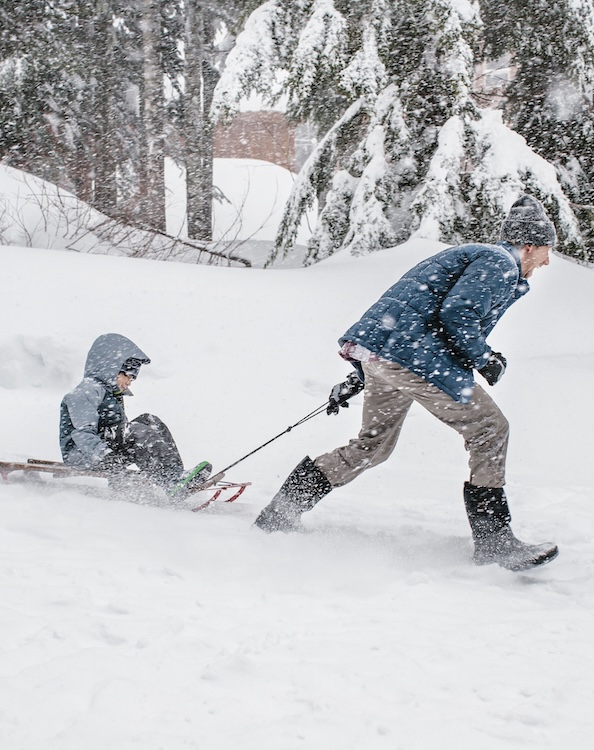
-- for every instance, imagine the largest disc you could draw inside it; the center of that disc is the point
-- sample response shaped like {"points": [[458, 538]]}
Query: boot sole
{"points": [[535, 562]]}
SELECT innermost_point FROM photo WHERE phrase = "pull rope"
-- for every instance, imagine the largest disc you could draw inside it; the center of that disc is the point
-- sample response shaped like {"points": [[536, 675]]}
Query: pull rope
{"points": [[312, 414]]}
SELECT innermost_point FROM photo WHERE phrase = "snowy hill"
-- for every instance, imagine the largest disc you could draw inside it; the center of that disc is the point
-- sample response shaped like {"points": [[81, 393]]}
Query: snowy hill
{"points": [[125, 626], [251, 195]]}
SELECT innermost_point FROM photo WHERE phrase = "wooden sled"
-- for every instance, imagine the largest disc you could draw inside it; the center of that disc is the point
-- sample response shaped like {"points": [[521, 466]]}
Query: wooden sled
{"points": [[59, 470]]}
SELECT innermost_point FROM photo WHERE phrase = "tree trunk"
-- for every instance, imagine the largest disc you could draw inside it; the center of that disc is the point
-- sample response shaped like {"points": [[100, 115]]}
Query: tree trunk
{"points": [[200, 80], [104, 140], [152, 187]]}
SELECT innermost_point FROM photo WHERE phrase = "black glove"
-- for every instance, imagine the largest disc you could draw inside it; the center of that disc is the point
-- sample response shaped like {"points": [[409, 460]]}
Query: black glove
{"points": [[342, 392], [494, 369]]}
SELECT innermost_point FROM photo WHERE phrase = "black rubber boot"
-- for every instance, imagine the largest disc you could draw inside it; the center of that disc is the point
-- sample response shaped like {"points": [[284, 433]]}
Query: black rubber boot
{"points": [[302, 489], [494, 542]]}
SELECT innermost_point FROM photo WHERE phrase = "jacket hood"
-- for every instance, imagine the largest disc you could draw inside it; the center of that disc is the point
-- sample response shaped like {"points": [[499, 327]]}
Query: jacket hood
{"points": [[107, 355]]}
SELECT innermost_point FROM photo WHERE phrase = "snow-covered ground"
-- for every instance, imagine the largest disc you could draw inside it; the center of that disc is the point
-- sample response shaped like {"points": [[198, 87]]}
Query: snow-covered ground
{"points": [[130, 626]]}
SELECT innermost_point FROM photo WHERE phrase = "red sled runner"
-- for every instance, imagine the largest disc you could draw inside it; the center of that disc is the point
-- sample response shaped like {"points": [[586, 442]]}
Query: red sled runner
{"points": [[60, 470]]}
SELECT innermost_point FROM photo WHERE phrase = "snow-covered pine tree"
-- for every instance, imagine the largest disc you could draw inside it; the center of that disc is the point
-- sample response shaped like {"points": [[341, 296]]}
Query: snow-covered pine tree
{"points": [[82, 95], [403, 146], [441, 111], [39, 85], [70, 77], [470, 180], [257, 61], [367, 149], [550, 100], [261, 62], [329, 60]]}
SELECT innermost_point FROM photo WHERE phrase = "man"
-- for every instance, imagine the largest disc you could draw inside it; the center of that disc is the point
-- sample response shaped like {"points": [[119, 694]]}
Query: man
{"points": [[421, 342], [96, 434]]}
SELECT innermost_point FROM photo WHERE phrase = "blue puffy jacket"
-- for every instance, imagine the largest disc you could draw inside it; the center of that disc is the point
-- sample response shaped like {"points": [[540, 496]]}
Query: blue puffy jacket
{"points": [[435, 320]]}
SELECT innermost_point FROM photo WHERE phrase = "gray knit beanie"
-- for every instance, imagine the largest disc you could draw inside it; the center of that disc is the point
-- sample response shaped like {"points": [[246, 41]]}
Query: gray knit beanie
{"points": [[528, 224]]}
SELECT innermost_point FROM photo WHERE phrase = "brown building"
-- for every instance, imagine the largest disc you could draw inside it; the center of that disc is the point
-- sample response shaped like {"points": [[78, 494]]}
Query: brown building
{"points": [[265, 135], [257, 135]]}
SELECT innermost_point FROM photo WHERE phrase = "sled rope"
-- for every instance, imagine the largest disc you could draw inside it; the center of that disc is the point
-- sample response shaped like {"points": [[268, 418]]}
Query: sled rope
{"points": [[312, 414]]}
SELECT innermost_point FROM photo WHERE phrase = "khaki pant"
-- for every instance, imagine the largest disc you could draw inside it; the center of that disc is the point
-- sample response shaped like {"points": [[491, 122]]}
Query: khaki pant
{"points": [[389, 393]]}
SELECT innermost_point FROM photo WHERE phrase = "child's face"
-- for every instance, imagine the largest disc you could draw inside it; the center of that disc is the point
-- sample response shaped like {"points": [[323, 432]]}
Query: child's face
{"points": [[123, 381]]}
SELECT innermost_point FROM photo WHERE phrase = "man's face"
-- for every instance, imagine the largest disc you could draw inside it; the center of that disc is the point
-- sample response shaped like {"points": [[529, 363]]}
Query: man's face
{"points": [[534, 257]]}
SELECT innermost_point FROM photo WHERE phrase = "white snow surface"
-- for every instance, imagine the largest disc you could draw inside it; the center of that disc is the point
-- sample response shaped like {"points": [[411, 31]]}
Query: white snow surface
{"points": [[128, 626]]}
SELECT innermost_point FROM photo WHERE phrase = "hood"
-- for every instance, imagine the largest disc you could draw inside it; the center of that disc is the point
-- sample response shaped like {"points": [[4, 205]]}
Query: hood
{"points": [[107, 355]]}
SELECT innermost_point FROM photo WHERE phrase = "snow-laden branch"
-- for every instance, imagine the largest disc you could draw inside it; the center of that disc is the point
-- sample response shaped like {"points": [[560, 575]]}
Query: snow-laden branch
{"points": [[320, 50], [481, 166], [304, 191], [366, 74], [253, 65]]}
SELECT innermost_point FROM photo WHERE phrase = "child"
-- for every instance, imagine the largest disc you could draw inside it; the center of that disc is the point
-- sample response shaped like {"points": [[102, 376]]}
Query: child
{"points": [[96, 434]]}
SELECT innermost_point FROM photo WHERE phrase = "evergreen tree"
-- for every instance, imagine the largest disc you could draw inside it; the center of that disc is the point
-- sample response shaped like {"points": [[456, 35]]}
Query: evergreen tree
{"points": [[83, 86], [65, 75], [549, 101], [38, 87], [402, 143]]}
